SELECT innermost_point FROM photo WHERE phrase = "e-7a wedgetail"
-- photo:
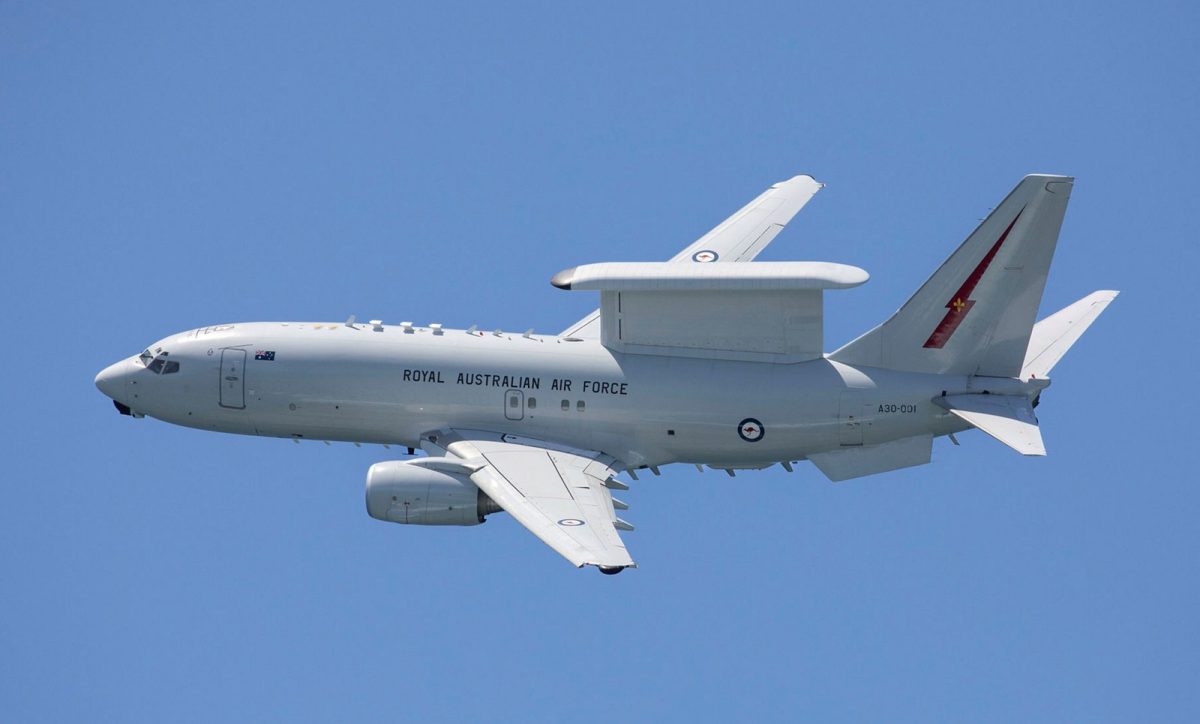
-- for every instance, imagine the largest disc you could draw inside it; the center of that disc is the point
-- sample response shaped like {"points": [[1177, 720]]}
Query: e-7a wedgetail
{"points": [[703, 359]]}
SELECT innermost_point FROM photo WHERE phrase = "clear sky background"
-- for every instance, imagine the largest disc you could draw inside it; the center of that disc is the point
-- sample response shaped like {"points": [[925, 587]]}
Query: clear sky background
{"points": [[163, 168]]}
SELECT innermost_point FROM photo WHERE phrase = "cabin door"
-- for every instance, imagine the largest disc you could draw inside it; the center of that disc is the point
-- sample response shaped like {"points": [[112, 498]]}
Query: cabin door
{"points": [[233, 378]]}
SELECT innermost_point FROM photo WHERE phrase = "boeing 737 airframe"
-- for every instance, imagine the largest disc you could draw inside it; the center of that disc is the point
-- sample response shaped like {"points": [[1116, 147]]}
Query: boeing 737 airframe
{"points": [[710, 359]]}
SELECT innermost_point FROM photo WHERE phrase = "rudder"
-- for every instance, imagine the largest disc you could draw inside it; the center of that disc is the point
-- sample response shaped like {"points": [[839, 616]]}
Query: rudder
{"points": [[975, 314]]}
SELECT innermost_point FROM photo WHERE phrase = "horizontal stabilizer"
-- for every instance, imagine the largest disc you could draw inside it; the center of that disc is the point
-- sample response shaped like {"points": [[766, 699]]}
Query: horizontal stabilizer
{"points": [[1007, 418], [1054, 335], [855, 462]]}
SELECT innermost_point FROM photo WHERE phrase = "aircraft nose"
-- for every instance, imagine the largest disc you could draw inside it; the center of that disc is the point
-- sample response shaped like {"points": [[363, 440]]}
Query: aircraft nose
{"points": [[111, 380]]}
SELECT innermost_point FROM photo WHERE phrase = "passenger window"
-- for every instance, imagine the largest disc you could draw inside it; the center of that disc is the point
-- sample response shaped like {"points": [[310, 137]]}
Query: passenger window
{"points": [[171, 368], [579, 406], [513, 401], [566, 405], [531, 403]]}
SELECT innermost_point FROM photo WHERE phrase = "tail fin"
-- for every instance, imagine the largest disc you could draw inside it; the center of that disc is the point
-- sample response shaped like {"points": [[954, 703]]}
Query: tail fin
{"points": [[975, 314], [1054, 335]]}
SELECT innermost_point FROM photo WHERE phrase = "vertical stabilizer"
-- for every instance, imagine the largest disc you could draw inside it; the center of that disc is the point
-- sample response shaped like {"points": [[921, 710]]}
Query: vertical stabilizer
{"points": [[975, 314]]}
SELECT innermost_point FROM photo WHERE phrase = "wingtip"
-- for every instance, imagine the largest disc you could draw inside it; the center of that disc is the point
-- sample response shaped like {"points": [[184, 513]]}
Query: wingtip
{"points": [[801, 177], [610, 569]]}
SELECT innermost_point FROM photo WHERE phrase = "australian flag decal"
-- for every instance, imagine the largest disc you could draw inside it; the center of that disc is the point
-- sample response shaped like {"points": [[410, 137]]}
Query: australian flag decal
{"points": [[265, 355]]}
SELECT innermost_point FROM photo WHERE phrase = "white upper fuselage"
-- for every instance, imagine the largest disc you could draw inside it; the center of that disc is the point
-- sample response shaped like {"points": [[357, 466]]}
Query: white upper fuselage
{"points": [[388, 385]]}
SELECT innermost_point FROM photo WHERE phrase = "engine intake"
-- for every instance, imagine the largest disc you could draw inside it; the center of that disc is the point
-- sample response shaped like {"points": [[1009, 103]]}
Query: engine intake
{"points": [[401, 492]]}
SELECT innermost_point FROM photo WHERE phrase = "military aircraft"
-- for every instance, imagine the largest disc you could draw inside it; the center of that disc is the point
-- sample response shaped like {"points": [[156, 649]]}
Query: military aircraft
{"points": [[705, 359]]}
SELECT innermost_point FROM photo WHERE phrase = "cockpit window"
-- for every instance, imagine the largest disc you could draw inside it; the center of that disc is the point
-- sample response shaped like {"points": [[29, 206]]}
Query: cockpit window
{"points": [[146, 356], [159, 365]]}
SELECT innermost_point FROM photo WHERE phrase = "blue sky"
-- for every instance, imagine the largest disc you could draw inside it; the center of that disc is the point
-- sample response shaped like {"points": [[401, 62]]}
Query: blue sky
{"points": [[164, 167]]}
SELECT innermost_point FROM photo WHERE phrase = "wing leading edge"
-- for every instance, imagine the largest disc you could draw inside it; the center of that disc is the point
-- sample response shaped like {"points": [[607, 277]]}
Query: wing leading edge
{"points": [[560, 495], [739, 238]]}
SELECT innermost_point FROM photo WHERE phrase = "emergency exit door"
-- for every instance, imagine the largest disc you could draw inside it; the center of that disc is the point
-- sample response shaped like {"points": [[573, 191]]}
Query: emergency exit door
{"points": [[233, 378], [514, 405]]}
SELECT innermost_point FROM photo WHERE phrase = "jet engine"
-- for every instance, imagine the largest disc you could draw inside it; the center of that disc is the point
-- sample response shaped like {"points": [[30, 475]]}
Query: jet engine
{"points": [[427, 491]]}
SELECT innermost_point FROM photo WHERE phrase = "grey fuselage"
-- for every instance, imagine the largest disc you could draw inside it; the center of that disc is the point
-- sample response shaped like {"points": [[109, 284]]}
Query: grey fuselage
{"points": [[391, 385]]}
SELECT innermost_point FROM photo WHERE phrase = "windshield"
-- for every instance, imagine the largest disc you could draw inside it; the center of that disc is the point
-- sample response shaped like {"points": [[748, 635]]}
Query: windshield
{"points": [[158, 364]]}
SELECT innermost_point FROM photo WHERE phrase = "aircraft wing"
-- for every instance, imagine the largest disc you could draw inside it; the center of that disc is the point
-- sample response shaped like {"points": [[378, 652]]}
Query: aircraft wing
{"points": [[739, 238], [559, 494]]}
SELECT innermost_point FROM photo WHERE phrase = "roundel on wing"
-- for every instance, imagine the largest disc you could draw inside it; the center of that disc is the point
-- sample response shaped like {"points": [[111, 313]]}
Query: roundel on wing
{"points": [[705, 256], [751, 430], [570, 522]]}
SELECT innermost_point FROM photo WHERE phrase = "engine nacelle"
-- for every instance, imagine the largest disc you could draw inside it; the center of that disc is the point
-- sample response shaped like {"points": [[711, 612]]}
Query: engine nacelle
{"points": [[401, 492]]}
